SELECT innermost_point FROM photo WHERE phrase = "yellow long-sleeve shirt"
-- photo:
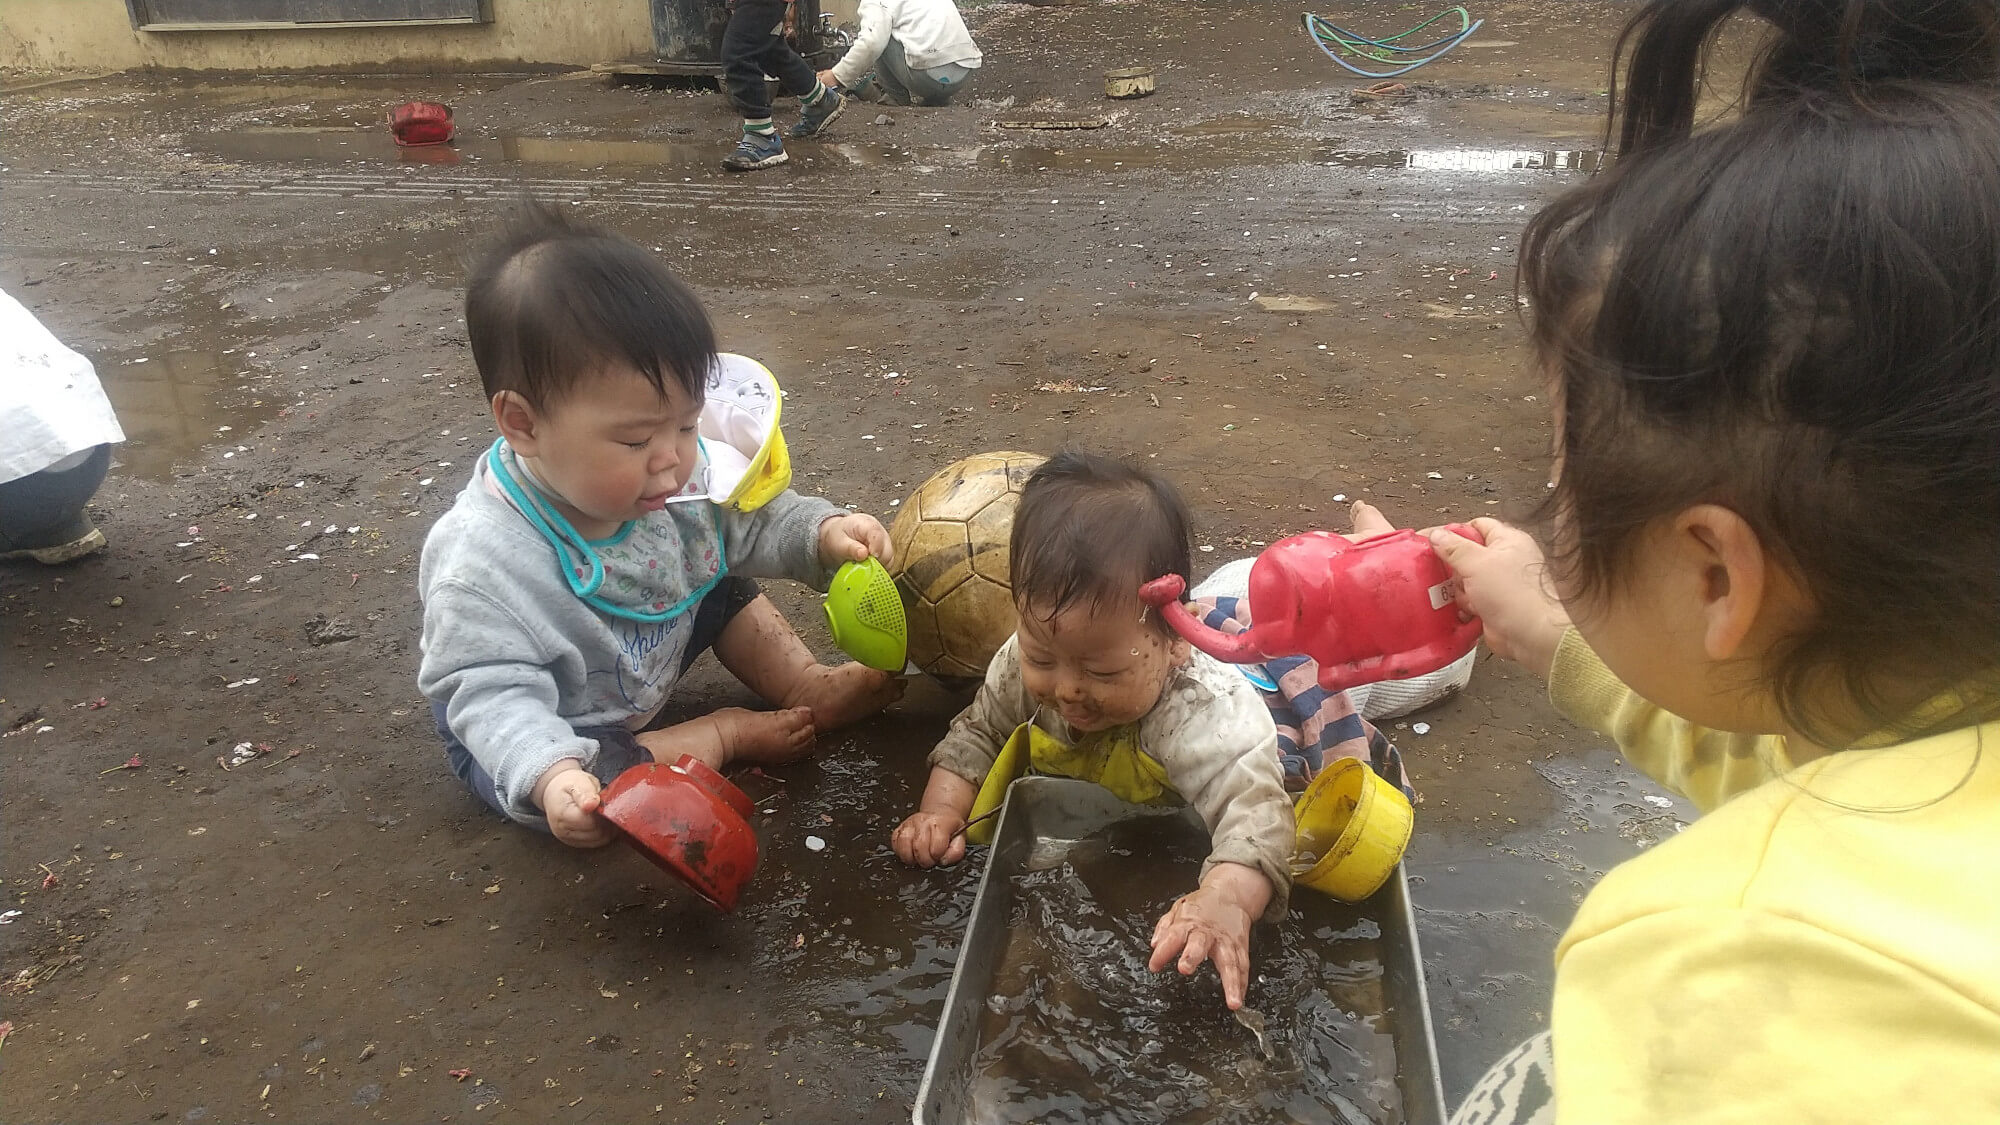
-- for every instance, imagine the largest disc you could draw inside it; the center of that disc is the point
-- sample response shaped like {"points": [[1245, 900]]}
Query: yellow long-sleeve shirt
{"points": [[1823, 945]]}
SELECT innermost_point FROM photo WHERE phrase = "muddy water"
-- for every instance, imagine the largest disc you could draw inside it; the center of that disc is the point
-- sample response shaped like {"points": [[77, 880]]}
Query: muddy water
{"points": [[1227, 143], [1471, 160], [1077, 1029], [371, 143], [864, 946], [173, 402]]}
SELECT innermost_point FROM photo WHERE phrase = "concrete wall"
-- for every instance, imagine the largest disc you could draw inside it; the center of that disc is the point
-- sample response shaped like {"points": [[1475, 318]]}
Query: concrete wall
{"points": [[37, 35]]}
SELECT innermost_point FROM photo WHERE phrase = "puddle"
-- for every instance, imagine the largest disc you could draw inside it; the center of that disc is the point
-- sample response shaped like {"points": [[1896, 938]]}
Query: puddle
{"points": [[864, 946], [163, 103], [1489, 912], [1473, 160], [1279, 148], [372, 144], [173, 403], [221, 359], [871, 154], [1053, 158], [1077, 1029], [558, 150], [1222, 144], [1230, 126]]}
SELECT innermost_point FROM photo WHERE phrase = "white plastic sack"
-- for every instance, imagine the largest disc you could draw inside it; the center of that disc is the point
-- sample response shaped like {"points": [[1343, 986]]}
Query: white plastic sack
{"points": [[51, 404]]}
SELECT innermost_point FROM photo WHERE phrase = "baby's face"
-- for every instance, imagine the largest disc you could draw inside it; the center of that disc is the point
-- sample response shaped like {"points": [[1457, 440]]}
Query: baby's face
{"points": [[616, 448], [1096, 666]]}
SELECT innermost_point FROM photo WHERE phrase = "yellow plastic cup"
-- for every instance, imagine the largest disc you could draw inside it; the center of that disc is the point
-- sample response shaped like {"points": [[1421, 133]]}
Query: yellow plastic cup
{"points": [[1355, 827]]}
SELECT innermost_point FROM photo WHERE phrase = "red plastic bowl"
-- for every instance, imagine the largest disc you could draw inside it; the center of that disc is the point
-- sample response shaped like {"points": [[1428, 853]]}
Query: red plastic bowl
{"points": [[415, 124], [691, 821]]}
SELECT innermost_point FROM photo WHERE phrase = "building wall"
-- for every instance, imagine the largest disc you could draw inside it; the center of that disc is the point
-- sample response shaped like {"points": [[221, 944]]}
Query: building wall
{"points": [[40, 35]]}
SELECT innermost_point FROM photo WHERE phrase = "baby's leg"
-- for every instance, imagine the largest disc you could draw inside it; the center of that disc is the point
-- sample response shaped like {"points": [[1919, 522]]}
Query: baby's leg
{"points": [[734, 736], [760, 649]]}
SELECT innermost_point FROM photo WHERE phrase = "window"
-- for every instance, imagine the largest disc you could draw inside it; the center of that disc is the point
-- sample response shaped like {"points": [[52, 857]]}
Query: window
{"points": [[218, 15]]}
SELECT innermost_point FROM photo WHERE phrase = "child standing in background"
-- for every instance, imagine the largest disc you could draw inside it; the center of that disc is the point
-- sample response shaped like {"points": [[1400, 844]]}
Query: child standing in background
{"points": [[753, 46]]}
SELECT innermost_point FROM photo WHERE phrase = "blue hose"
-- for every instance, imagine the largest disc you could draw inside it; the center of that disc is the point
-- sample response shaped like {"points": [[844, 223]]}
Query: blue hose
{"points": [[1388, 50]]}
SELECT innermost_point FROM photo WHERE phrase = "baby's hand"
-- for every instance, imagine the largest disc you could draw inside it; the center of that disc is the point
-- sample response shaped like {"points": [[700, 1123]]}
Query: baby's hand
{"points": [[853, 537], [1505, 584], [567, 794], [929, 839], [1213, 924]]}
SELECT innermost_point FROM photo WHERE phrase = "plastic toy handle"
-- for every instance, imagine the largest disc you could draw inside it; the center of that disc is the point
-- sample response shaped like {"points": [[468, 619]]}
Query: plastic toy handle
{"points": [[1165, 593], [1466, 531]]}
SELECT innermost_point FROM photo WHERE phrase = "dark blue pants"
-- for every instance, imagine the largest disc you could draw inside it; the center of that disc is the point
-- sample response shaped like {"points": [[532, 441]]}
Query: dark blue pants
{"points": [[46, 508], [750, 50], [617, 748]]}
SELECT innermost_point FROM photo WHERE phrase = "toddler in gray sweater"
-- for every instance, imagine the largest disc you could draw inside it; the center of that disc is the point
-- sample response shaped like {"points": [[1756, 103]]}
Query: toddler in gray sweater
{"points": [[593, 556]]}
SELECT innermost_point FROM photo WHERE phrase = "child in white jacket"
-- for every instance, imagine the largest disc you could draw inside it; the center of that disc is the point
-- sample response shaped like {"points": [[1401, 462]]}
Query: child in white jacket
{"points": [[919, 50]]}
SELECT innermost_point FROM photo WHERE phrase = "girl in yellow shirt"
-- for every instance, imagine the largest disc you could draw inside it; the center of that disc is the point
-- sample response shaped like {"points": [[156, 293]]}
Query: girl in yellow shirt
{"points": [[1775, 345]]}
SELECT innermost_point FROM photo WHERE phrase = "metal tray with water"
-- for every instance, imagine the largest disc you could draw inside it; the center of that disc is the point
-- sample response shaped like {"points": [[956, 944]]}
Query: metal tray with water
{"points": [[1053, 1017]]}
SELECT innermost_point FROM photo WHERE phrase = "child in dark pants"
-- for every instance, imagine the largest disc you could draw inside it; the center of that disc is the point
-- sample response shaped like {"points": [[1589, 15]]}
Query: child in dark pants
{"points": [[753, 46], [589, 559]]}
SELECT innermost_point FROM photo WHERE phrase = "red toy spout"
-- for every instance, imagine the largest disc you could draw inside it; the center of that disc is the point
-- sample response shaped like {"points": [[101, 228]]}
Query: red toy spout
{"points": [[1165, 594]]}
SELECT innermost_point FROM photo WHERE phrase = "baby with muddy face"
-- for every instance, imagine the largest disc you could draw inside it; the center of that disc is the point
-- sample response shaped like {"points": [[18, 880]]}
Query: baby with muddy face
{"points": [[1095, 686]]}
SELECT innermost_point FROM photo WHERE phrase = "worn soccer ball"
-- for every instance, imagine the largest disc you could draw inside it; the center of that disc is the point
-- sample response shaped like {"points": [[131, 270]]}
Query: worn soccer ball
{"points": [[951, 563]]}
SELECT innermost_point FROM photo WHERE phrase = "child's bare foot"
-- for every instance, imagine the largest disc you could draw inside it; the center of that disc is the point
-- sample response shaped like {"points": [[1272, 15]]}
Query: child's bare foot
{"points": [[844, 694], [735, 736], [765, 737], [759, 648]]}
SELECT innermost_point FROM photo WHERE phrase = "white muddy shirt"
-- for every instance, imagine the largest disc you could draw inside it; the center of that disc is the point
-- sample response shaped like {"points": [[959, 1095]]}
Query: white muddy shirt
{"points": [[931, 31], [51, 404]]}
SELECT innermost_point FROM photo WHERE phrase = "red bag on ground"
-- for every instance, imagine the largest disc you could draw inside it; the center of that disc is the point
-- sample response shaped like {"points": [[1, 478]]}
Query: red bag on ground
{"points": [[421, 123]]}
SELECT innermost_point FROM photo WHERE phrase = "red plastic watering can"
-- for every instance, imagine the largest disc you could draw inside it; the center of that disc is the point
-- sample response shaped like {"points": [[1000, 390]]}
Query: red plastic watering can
{"points": [[1380, 609]]}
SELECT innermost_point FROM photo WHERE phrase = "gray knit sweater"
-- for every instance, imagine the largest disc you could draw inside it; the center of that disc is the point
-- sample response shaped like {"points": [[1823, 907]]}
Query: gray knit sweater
{"points": [[519, 662]]}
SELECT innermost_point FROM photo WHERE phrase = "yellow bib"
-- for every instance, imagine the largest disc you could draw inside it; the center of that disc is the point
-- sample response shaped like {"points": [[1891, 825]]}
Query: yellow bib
{"points": [[1110, 758]]}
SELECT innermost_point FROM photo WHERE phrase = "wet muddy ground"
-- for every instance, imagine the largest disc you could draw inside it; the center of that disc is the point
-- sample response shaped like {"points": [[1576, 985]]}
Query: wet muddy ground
{"points": [[1282, 299]]}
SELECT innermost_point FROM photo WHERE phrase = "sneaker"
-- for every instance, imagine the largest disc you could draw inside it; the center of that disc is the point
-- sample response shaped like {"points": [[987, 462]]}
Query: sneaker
{"points": [[754, 151], [80, 538], [813, 119]]}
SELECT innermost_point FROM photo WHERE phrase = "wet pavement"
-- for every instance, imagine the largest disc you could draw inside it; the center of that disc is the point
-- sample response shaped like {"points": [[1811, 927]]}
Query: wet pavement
{"points": [[1282, 298]]}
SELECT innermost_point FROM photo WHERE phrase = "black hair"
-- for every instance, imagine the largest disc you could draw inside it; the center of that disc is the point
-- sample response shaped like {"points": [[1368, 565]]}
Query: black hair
{"points": [[552, 302], [1090, 530], [1795, 314]]}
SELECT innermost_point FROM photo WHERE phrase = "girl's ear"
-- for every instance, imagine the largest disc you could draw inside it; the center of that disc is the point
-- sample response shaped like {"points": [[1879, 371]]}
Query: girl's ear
{"points": [[1735, 582], [518, 423]]}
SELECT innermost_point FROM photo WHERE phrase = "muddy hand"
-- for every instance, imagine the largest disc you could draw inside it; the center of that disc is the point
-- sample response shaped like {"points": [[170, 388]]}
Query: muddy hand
{"points": [[1208, 925], [852, 538], [568, 795], [929, 839]]}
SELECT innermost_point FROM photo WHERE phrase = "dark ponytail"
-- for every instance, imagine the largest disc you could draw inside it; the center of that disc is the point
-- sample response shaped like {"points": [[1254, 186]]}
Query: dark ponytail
{"points": [[1795, 314], [1858, 50]]}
